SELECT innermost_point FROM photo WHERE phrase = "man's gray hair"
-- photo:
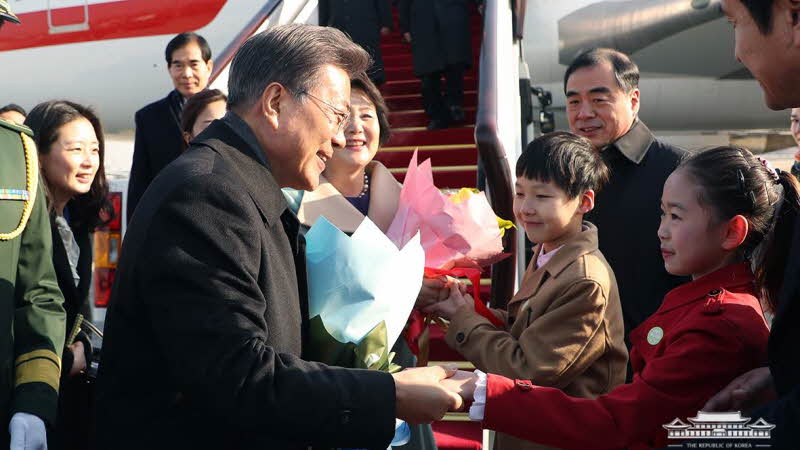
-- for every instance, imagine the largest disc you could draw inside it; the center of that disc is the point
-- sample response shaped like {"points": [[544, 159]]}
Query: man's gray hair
{"points": [[292, 56]]}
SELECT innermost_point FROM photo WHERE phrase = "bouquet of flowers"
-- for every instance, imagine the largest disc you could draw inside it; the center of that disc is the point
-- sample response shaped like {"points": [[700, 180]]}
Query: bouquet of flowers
{"points": [[456, 230], [459, 232], [361, 290]]}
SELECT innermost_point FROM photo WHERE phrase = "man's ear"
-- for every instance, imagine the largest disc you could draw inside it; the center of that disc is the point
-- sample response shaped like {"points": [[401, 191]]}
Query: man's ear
{"points": [[210, 65], [187, 137], [735, 232], [635, 101], [271, 100], [587, 202]]}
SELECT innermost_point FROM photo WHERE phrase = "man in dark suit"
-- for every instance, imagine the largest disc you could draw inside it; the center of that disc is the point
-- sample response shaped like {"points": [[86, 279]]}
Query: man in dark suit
{"points": [[441, 46], [203, 336], [768, 43], [364, 21], [602, 90], [158, 125]]}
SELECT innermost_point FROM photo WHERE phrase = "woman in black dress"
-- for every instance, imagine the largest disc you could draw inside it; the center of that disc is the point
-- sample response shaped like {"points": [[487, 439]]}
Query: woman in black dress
{"points": [[69, 138]]}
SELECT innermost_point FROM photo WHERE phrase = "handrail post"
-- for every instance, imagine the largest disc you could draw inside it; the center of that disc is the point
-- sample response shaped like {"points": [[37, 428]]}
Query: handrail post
{"points": [[492, 149]]}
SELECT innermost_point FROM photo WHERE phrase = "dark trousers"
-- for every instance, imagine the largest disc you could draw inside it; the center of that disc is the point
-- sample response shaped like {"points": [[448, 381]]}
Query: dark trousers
{"points": [[436, 105]]}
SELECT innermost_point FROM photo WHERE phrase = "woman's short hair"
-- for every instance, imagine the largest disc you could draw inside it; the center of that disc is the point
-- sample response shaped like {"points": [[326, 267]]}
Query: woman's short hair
{"points": [[362, 83], [195, 105], [92, 209]]}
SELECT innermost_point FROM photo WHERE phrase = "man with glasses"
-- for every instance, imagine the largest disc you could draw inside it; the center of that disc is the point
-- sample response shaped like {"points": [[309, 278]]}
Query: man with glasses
{"points": [[341, 116], [203, 336]]}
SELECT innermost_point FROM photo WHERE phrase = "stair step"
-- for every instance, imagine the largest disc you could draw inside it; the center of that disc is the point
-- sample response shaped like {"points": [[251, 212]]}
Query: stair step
{"points": [[396, 73], [414, 101], [475, 29], [394, 48], [397, 59], [462, 135], [418, 118], [414, 86], [450, 177], [458, 156]]}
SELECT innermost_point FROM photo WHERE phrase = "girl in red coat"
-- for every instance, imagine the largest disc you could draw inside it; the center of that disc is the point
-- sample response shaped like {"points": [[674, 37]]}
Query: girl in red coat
{"points": [[723, 212]]}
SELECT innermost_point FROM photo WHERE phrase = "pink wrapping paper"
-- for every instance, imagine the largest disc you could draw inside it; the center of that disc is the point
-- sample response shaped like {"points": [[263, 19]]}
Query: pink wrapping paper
{"points": [[464, 234]]}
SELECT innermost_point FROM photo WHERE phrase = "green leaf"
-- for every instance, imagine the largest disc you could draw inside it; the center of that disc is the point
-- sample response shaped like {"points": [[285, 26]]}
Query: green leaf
{"points": [[371, 353]]}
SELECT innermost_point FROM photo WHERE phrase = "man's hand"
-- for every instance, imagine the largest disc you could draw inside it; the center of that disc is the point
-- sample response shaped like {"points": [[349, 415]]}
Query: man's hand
{"points": [[463, 384], [385, 30], [433, 291], [456, 300], [407, 37], [78, 358], [420, 396], [27, 432], [745, 392]]}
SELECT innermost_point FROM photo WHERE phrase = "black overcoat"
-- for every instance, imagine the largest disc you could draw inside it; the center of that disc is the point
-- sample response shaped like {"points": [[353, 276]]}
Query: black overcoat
{"points": [[203, 335], [75, 297], [440, 33], [74, 398], [158, 142], [784, 337], [362, 21]]}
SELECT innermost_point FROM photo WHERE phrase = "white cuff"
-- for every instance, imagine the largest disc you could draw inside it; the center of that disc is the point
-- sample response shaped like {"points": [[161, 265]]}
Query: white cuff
{"points": [[476, 411], [27, 432]]}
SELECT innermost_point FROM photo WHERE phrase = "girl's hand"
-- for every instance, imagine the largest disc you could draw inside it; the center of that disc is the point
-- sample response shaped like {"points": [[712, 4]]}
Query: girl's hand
{"points": [[448, 307]]}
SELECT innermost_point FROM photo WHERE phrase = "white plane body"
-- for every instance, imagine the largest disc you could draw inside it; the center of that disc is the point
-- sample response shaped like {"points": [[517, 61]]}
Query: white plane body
{"points": [[110, 54]]}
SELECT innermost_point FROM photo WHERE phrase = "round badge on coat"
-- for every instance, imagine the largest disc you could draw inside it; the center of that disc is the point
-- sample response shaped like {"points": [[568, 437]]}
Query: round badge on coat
{"points": [[654, 335]]}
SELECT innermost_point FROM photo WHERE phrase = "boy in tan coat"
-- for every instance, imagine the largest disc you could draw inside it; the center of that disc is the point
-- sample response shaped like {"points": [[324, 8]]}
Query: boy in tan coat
{"points": [[564, 326]]}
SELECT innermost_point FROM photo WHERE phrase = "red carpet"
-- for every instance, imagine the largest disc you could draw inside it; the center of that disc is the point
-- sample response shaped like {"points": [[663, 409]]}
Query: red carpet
{"points": [[454, 157]]}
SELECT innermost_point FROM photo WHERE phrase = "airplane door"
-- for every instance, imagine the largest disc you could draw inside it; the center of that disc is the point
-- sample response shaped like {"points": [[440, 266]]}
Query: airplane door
{"points": [[67, 16]]}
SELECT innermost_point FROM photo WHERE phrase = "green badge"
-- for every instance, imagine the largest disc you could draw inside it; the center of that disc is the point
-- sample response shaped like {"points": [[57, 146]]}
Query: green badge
{"points": [[654, 335]]}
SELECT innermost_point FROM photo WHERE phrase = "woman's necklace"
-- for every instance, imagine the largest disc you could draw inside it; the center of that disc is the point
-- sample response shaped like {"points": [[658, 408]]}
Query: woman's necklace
{"points": [[365, 189]]}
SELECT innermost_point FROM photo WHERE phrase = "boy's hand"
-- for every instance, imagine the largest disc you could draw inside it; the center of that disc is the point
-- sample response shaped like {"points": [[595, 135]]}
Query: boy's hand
{"points": [[456, 300], [433, 291]]}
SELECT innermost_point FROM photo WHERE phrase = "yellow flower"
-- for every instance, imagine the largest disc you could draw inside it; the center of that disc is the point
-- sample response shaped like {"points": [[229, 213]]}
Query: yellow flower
{"points": [[462, 195], [504, 225]]}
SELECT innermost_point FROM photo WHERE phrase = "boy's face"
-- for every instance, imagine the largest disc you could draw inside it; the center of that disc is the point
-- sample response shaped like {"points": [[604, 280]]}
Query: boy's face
{"points": [[549, 217]]}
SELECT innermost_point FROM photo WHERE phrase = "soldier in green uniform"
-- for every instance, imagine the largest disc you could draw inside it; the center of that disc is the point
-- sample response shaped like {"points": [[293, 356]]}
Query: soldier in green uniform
{"points": [[32, 318]]}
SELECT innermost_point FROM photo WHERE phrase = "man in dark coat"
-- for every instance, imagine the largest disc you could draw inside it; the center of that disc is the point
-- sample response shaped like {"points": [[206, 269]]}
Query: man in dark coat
{"points": [[441, 46], [364, 21], [602, 90], [158, 138], [204, 333], [767, 43]]}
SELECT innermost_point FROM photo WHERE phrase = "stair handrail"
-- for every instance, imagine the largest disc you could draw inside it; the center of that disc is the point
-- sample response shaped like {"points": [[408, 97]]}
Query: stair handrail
{"points": [[226, 56], [491, 149]]}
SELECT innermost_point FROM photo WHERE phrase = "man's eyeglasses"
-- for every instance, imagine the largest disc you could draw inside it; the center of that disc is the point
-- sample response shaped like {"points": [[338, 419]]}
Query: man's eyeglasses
{"points": [[341, 117]]}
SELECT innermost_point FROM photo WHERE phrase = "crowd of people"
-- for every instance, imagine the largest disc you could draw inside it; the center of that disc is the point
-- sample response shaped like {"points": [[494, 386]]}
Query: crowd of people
{"points": [[644, 301]]}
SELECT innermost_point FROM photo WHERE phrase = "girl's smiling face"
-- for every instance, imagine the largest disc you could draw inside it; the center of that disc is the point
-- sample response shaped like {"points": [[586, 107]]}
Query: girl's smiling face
{"points": [[693, 241], [72, 161]]}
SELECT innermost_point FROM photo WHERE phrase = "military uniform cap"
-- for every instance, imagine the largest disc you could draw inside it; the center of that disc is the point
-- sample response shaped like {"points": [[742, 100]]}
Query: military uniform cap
{"points": [[5, 12]]}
